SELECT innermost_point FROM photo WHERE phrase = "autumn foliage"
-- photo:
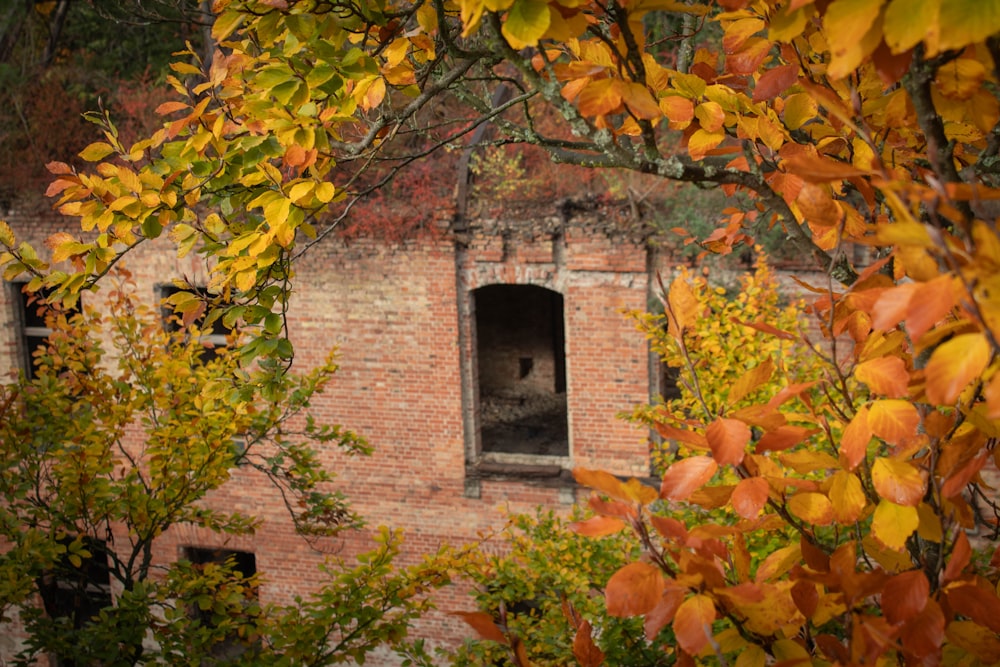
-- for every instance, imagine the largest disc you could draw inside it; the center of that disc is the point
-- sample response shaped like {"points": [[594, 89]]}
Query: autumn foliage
{"points": [[848, 125]]}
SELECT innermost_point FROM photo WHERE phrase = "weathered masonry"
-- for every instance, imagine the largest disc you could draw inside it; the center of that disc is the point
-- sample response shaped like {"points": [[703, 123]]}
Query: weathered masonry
{"points": [[482, 365]]}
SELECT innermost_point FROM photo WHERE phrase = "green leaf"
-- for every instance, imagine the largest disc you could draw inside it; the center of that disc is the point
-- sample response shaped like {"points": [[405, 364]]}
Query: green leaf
{"points": [[526, 22]]}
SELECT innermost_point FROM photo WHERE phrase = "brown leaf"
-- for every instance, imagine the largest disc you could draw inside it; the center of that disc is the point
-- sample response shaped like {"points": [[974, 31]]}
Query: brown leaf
{"points": [[585, 650], [905, 595], [483, 624], [684, 476], [664, 611], [806, 597], [923, 635], [814, 168], [961, 554], [775, 81], [980, 604], [634, 590]]}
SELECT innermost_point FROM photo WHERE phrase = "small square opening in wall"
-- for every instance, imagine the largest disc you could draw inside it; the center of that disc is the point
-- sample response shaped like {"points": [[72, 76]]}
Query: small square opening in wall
{"points": [[213, 339], [244, 565], [77, 591], [521, 362], [32, 316]]}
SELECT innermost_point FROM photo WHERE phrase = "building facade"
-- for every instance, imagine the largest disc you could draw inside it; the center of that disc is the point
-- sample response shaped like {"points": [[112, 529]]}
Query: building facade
{"points": [[482, 365]]}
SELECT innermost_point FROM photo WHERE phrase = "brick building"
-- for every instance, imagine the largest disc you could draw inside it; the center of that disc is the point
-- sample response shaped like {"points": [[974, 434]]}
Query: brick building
{"points": [[482, 365]]}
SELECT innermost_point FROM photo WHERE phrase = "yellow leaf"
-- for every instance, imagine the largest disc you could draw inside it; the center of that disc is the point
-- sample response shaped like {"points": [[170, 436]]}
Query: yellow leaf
{"points": [[892, 524], [847, 496], [701, 142], [526, 22], [898, 481], [965, 22], [97, 151], [325, 192], [711, 116], [955, 364], [750, 381], [853, 28], [908, 22], [813, 508]]}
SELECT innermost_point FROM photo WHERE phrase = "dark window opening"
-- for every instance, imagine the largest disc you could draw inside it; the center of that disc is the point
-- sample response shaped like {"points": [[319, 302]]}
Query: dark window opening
{"points": [[522, 370], [33, 312], [243, 564], [213, 339], [78, 592], [670, 382]]}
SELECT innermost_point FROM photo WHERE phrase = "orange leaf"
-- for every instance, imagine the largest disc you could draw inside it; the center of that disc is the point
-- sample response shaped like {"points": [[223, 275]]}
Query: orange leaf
{"points": [[640, 101], [683, 477], [775, 81], [891, 307], [602, 481], [817, 206], [634, 590], [884, 375], [931, 302], [584, 649], [892, 524], [854, 441], [598, 526], [601, 97], [750, 496], [693, 438], [728, 439], [905, 595], [750, 381], [815, 168], [693, 623], [679, 110], [764, 327], [483, 624], [957, 480], [813, 508], [893, 420], [954, 364], [682, 307], [898, 481], [788, 392], [170, 107], [670, 528], [783, 437]]}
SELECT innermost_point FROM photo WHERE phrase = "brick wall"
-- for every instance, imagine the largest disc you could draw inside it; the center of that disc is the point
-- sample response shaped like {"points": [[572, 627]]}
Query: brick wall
{"points": [[403, 320]]}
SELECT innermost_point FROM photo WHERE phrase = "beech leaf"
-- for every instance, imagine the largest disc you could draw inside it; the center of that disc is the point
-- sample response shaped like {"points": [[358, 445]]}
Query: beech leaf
{"points": [[898, 481], [892, 524], [954, 365], [750, 496], [683, 477], [728, 439], [893, 420], [693, 623], [634, 590]]}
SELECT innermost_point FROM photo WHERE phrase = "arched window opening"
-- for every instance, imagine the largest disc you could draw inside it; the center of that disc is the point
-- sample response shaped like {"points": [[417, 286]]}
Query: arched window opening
{"points": [[522, 370]]}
